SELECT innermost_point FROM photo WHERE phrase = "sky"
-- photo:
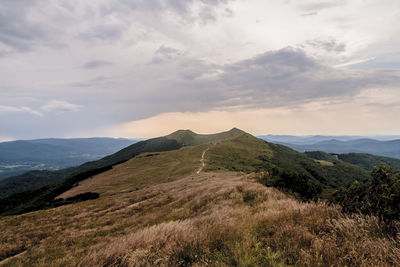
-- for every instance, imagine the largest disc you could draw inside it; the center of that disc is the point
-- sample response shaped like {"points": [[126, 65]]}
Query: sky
{"points": [[145, 68]]}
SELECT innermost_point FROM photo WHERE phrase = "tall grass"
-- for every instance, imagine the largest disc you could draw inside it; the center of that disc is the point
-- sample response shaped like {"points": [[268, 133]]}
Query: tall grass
{"points": [[267, 229], [214, 219]]}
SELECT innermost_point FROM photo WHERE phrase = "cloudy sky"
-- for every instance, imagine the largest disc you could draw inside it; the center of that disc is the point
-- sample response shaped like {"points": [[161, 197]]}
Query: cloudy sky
{"points": [[142, 68]]}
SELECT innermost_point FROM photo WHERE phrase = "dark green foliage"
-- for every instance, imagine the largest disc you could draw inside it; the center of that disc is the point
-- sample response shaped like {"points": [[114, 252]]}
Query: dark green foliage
{"points": [[248, 196], [285, 168], [320, 155], [340, 174], [380, 196], [44, 197], [301, 184], [362, 160], [83, 197], [368, 161]]}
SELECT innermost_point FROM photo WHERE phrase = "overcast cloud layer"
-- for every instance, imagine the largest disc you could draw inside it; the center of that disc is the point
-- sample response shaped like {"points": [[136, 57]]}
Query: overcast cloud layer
{"points": [[79, 68]]}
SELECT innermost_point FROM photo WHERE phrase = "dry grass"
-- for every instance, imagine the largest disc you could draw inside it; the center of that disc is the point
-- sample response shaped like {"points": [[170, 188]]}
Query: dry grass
{"points": [[324, 162], [217, 219], [141, 171]]}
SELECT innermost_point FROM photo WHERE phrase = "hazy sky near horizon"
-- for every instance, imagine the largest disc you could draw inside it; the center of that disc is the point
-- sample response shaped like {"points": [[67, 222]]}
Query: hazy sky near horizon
{"points": [[143, 68]]}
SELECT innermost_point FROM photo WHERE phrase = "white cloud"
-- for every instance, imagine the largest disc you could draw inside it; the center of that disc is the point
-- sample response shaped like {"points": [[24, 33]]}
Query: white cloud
{"points": [[59, 106], [11, 109]]}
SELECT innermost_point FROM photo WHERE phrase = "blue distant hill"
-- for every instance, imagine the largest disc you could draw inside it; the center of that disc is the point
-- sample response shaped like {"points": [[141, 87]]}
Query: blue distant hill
{"points": [[20, 156], [379, 145]]}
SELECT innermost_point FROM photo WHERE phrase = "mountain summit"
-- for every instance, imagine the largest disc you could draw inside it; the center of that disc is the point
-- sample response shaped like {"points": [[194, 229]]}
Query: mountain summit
{"points": [[190, 138]]}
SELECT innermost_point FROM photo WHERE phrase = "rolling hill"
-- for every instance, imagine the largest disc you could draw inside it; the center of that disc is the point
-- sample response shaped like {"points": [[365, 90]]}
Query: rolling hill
{"points": [[389, 148], [233, 150], [152, 204], [17, 157], [363, 160]]}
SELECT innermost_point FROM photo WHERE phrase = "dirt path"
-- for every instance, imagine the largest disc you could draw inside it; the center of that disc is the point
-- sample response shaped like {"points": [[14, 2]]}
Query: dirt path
{"points": [[202, 160], [6, 260]]}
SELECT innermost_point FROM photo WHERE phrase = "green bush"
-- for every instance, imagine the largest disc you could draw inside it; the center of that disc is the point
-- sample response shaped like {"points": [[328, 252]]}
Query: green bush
{"points": [[380, 196]]}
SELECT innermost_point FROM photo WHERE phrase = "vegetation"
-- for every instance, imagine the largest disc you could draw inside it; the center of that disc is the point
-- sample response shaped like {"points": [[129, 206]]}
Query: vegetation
{"points": [[37, 179], [24, 200], [189, 138], [218, 219], [368, 161], [380, 196], [156, 209], [282, 166], [362, 160]]}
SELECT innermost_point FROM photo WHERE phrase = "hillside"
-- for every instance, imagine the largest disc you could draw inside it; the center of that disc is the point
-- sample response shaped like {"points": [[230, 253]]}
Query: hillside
{"points": [[362, 160], [17, 157], [31, 185], [156, 209], [233, 150], [301, 174], [36, 179]]}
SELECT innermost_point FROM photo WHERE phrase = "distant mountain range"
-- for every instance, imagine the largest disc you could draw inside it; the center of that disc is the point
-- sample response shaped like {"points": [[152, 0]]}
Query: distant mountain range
{"points": [[17, 157], [340, 144]]}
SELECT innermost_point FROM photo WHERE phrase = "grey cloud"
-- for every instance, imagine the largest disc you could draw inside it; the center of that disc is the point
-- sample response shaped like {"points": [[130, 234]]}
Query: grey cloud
{"points": [[102, 32], [181, 8], [289, 76], [328, 45], [278, 78], [286, 77], [97, 82], [385, 61], [95, 64], [27, 24], [17, 31], [316, 5], [165, 53], [309, 14]]}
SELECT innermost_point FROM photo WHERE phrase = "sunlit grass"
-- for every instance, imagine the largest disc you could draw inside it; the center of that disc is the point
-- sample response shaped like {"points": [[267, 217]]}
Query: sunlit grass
{"points": [[217, 219]]}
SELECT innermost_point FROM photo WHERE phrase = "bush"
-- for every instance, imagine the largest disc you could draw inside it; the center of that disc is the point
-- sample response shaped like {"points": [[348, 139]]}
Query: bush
{"points": [[380, 196]]}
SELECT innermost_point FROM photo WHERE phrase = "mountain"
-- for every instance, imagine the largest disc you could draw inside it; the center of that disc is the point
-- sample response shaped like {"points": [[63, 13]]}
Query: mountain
{"points": [[363, 160], [17, 157], [194, 200], [305, 140], [36, 179], [233, 150], [364, 145], [312, 139]]}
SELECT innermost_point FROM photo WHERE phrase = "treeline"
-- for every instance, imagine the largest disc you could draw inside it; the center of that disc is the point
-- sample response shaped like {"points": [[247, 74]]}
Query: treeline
{"points": [[380, 196]]}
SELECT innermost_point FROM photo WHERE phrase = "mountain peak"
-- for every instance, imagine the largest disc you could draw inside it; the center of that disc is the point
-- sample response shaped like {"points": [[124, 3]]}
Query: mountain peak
{"points": [[188, 137]]}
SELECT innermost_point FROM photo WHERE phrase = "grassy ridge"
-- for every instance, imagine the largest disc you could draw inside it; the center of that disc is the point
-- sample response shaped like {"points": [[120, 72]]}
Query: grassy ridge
{"points": [[283, 167]]}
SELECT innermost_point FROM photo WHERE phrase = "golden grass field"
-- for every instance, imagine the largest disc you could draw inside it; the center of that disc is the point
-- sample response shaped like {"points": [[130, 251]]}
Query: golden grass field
{"points": [[154, 210]]}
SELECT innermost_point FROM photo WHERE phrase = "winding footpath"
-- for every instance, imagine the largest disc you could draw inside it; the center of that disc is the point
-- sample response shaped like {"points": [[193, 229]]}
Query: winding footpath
{"points": [[202, 161]]}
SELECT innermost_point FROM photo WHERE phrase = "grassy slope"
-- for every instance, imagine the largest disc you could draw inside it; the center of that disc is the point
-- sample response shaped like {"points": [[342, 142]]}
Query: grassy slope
{"points": [[144, 170], [249, 154], [218, 219], [37, 179]]}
